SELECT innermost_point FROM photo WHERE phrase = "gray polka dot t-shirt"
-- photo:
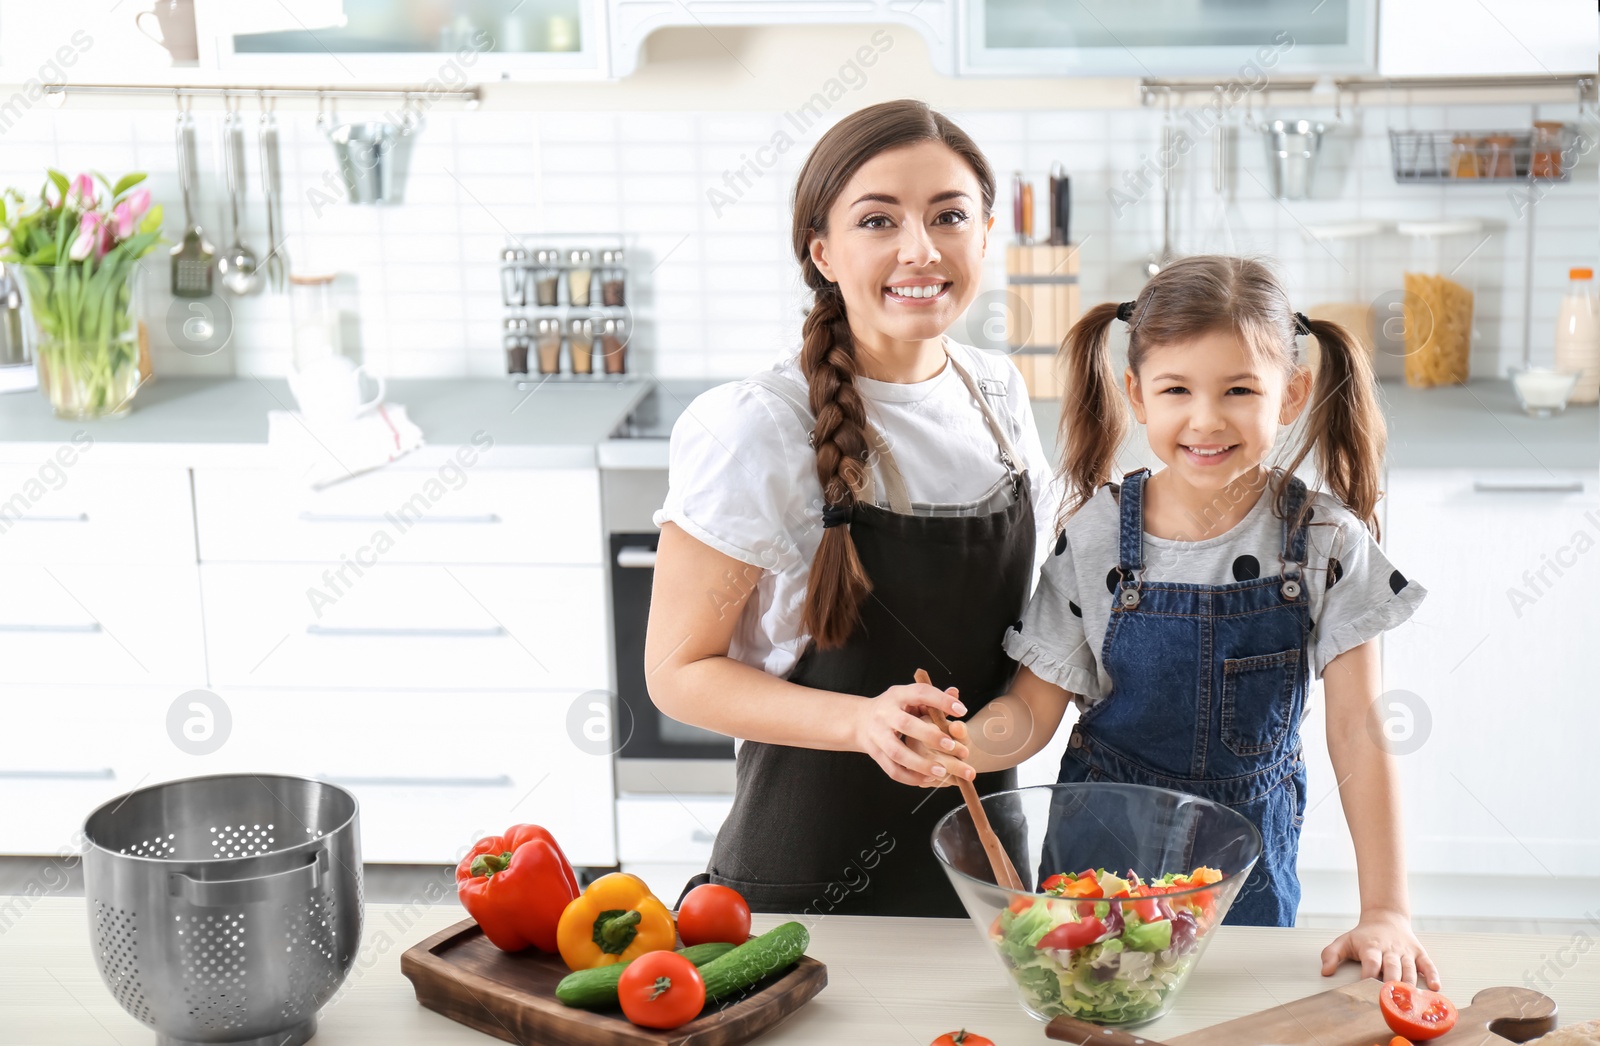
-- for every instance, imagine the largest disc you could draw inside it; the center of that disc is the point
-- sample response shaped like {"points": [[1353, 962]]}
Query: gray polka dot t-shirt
{"points": [[1354, 592]]}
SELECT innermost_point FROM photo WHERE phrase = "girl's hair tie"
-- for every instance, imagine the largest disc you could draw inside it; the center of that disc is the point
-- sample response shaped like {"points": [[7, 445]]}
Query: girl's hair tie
{"points": [[834, 515], [1301, 324], [1125, 311]]}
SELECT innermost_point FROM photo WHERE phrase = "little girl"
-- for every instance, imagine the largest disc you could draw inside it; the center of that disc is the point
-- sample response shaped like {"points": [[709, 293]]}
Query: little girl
{"points": [[1185, 611]]}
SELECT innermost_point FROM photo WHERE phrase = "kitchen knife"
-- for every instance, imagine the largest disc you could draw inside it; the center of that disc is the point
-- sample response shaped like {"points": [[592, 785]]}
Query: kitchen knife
{"points": [[1016, 206], [1060, 205], [1027, 212]]}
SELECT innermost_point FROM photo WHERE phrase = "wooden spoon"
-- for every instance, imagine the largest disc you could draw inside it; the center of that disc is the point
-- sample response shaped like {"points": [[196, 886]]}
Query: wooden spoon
{"points": [[1005, 874]]}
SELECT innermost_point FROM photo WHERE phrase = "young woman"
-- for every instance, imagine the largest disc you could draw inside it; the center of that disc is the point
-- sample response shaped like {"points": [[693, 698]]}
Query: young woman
{"points": [[1185, 611], [856, 513]]}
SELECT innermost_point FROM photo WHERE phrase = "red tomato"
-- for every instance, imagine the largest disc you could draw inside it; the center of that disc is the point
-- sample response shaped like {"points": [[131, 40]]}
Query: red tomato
{"points": [[661, 990], [1068, 936], [1052, 882], [1145, 908], [1416, 1013], [714, 913], [962, 1038]]}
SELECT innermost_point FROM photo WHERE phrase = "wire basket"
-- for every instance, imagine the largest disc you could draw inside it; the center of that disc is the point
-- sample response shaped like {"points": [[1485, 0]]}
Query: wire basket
{"points": [[1479, 157]]}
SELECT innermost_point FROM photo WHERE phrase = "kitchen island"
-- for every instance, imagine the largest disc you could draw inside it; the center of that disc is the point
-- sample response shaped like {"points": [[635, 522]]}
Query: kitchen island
{"points": [[889, 980]]}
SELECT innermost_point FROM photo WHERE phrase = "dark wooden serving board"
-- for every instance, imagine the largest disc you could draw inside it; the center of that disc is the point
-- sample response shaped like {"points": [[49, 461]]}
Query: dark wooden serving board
{"points": [[1347, 1016], [459, 974]]}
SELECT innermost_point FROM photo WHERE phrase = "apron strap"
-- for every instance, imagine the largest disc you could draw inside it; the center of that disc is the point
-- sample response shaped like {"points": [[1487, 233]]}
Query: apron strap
{"points": [[794, 394], [1008, 452]]}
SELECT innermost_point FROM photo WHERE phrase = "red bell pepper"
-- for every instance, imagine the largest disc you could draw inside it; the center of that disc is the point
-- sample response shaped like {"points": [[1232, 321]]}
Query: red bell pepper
{"points": [[516, 886]]}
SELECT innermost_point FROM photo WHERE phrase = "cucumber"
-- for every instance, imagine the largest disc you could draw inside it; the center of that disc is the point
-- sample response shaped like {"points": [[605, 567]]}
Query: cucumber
{"points": [[596, 989], [755, 959]]}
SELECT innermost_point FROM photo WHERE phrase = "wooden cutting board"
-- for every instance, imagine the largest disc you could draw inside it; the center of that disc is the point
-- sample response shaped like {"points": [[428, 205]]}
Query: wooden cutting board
{"points": [[1347, 1016], [459, 974]]}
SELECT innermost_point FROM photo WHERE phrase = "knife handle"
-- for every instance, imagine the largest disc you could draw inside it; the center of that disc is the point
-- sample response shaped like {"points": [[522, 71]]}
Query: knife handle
{"points": [[1027, 212], [1070, 1029], [1016, 205]]}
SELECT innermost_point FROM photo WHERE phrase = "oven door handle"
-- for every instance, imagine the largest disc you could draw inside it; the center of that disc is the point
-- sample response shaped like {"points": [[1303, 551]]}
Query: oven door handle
{"points": [[638, 556]]}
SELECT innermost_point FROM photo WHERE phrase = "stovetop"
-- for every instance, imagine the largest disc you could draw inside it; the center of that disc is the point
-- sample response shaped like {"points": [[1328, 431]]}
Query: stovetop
{"points": [[655, 415]]}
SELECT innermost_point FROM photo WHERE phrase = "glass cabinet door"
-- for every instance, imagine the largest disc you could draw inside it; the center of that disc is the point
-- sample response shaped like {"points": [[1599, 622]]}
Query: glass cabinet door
{"points": [[1162, 38]]}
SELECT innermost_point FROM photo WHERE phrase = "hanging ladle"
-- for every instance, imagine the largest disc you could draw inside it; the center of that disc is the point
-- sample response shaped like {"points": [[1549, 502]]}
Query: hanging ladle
{"points": [[238, 265]]}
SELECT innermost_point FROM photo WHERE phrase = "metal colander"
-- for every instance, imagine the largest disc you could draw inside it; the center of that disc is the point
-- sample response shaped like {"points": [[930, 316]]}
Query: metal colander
{"points": [[225, 909]]}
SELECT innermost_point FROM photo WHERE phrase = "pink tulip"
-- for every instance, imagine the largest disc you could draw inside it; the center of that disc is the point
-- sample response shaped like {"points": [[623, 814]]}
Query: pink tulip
{"points": [[91, 237], [137, 203], [123, 220], [81, 194]]}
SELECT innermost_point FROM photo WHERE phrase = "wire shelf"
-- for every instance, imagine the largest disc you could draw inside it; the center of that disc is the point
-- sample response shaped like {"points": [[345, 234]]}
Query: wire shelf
{"points": [[1481, 157]]}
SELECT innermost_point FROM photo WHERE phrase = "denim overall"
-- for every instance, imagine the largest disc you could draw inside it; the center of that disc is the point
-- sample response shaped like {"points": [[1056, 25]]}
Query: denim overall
{"points": [[1208, 687]]}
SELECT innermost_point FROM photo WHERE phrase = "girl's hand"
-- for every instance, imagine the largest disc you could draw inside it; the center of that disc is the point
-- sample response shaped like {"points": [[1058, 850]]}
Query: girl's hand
{"points": [[947, 748], [910, 749], [1384, 945]]}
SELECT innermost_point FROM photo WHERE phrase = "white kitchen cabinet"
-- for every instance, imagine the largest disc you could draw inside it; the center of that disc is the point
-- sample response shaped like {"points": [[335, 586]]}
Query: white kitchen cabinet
{"points": [[666, 839], [432, 626], [1486, 38], [66, 510], [111, 624], [1490, 687], [1246, 42], [401, 515], [433, 771], [634, 20]]}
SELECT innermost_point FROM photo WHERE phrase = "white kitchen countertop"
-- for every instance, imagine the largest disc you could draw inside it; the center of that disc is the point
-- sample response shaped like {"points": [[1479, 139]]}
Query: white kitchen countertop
{"points": [[889, 980]]}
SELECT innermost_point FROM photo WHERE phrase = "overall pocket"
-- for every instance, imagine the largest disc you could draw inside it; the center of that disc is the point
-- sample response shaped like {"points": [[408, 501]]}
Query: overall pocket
{"points": [[1258, 701]]}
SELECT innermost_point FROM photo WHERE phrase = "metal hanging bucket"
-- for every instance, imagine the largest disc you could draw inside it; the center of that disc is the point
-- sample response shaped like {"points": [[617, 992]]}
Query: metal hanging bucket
{"points": [[374, 156], [1292, 148]]}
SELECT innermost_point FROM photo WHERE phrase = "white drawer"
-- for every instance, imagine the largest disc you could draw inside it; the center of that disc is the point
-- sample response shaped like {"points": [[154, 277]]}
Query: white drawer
{"points": [[433, 773], [84, 745], [83, 514], [450, 627], [655, 829], [401, 515], [101, 623]]}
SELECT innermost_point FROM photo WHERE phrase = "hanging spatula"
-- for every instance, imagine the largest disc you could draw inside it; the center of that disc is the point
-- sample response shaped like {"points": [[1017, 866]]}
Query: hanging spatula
{"points": [[191, 258]]}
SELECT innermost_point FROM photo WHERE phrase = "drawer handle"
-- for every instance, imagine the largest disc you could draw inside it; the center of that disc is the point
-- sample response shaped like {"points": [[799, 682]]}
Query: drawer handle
{"points": [[1481, 486], [93, 626], [501, 781], [636, 556], [327, 517], [105, 773], [82, 517], [494, 632]]}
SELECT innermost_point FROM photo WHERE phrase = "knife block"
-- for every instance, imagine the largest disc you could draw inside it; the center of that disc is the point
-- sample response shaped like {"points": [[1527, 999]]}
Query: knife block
{"points": [[1041, 306]]}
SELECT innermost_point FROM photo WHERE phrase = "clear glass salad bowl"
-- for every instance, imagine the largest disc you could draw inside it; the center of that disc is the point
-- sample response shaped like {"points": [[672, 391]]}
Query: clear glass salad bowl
{"points": [[1124, 885]]}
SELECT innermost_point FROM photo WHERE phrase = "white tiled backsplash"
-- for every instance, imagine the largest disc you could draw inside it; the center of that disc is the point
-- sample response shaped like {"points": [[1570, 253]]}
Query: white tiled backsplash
{"points": [[715, 290]]}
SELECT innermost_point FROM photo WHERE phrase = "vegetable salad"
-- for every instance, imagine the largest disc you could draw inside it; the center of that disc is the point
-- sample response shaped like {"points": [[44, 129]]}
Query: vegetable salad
{"points": [[1074, 952]]}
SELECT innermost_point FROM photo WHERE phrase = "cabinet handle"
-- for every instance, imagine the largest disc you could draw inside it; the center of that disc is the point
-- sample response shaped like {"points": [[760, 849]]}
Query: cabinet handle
{"points": [[105, 773], [93, 626], [494, 632], [329, 517], [499, 781], [636, 556], [1484, 486], [82, 517]]}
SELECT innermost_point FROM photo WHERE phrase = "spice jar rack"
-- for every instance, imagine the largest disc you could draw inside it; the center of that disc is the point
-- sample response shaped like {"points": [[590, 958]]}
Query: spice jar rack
{"points": [[567, 313], [1545, 153]]}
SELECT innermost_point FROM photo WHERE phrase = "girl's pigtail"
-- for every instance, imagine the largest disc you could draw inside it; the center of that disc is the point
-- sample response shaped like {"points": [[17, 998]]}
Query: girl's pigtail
{"points": [[1093, 417], [1345, 426]]}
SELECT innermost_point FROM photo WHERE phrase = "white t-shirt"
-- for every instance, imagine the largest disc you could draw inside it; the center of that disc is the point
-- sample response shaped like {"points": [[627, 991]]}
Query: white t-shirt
{"points": [[743, 479], [1352, 591]]}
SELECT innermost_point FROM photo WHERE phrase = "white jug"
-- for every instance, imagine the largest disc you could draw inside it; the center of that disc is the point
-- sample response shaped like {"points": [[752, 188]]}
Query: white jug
{"points": [[329, 389]]}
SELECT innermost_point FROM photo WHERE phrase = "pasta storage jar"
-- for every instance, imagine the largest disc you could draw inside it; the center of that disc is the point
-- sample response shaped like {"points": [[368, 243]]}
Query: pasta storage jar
{"points": [[1439, 285], [1338, 272]]}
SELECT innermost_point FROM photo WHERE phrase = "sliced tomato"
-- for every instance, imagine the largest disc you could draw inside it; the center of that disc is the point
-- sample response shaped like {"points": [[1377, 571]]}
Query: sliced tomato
{"points": [[1416, 1013], [1054, 881], [962, 1038], [1145, 908], [1069, 936], [661, 990]]}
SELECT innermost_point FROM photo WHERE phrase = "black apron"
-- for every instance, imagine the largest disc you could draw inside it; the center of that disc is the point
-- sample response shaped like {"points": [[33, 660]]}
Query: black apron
{"points": [[829, 833]]}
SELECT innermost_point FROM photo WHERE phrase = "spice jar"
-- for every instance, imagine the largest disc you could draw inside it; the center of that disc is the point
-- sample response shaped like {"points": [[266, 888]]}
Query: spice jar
{"points": [[580, 343], [1465, 161], [1440, 278], [516, 339], [546, 275], [514, 276], [1499, 159], [613, 276], [1545, 161], [579, 273], [547, 341], [614, 345]]}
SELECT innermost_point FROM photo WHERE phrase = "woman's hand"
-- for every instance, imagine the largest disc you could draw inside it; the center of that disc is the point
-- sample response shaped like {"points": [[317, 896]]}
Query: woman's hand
{"points": [[909, 748], [1386, 948]]}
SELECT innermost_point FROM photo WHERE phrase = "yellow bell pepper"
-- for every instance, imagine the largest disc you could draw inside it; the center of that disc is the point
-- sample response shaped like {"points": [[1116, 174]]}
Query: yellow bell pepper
{"points": [[617, 919]]}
